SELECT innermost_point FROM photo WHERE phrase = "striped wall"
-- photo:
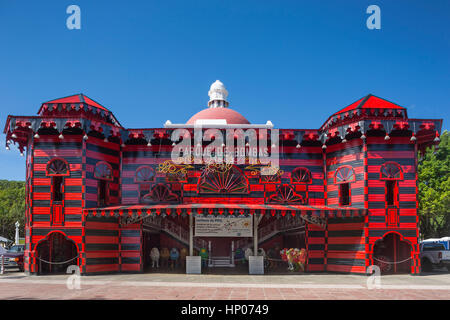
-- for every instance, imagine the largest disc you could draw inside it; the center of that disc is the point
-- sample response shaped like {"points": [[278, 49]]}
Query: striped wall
{"points": [[38, 235], [131, 248], [401, 151], [346, 245], [44, 149], [315, 246], [101, 245], [310, 158], [98, 150], [132, 158], [350, 154], [291, 158]]}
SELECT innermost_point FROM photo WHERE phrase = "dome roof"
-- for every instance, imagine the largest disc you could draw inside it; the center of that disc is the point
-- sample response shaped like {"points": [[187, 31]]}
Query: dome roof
{"points": [[231, 116]]}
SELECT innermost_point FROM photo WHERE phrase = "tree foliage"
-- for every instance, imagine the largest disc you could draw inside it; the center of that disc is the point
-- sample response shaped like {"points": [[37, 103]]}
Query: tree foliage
{"points": [[12, 207], [434, 190]]}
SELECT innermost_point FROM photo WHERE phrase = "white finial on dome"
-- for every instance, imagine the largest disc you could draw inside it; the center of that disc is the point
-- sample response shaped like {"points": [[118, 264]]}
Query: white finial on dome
{"points": [[218, 95]]}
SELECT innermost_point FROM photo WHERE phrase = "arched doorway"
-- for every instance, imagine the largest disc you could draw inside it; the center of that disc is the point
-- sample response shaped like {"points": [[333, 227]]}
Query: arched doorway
{"points": [[392, 254], [53, 250]]}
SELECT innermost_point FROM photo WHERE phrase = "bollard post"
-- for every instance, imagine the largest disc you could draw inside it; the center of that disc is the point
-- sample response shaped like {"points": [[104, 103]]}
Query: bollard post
{"points": [[2, 267]]}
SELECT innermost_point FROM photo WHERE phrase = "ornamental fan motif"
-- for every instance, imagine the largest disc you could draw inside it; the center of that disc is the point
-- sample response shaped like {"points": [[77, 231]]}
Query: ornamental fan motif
{"points": [[285, 194], [345, 174], [161, 193], [145, 174], [229, 181], [176, 177], [103, 171], [270, 178], [301, 175], [57, 167], [391, 171]]}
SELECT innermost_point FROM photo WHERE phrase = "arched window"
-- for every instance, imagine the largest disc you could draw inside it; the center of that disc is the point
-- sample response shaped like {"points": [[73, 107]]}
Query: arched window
{"points": [[391, 171], [344, 174], [144, 174], [104, 173], [230, 180], [270, 178], [160, 194], [286, 194], [300, 175], [57, 167]]}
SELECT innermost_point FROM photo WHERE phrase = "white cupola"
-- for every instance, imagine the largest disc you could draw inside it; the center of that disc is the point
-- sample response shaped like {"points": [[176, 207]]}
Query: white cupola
{"points": [[218, 95]]}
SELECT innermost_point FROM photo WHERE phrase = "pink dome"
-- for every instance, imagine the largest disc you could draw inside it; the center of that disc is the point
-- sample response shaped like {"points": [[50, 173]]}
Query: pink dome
{"points": [[231, 116]]}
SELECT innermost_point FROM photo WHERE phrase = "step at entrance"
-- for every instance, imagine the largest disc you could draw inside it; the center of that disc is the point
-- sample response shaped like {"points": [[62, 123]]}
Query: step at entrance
{"points": [[221, 262]]}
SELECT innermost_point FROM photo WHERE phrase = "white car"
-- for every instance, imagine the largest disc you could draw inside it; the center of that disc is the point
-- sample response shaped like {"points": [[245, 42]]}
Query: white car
{"points": [[433, 254]]}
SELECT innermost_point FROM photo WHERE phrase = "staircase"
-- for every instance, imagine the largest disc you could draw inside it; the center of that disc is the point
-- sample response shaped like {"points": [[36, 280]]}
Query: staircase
{"points": [[220, 262]]}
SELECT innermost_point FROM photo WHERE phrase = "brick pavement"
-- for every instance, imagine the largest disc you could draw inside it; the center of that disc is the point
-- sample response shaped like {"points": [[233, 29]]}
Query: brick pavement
{"points": [[16, 285]]}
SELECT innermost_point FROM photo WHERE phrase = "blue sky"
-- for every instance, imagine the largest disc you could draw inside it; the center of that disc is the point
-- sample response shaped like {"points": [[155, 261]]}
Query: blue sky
{"points": [[291, 62]]}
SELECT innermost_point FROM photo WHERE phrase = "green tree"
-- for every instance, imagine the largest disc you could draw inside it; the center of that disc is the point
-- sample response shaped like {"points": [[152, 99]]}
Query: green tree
{"points": [[12, 207], [434, 190]]}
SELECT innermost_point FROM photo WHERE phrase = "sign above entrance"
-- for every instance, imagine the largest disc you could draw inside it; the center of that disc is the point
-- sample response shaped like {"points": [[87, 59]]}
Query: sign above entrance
{"points": [[230, 226]]}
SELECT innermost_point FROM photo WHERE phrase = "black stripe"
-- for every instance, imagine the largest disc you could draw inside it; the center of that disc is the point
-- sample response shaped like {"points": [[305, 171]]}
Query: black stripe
{"points": [[130, 233], [101, 246], [70, 160], [131, 260], [97, 261], [346, 262], [316, 247], [400, 161], [346, 247], [380, 233], [346, 233], [102, 232], [344, 152], [389, 147], [130, 247], [377, 219], [103, 150], [407, 219], [316, 234], [45, 231], [345, 220], [103, 219], [315, 261], [354, 164], [41, 217], [72, 217], [40, 145]]}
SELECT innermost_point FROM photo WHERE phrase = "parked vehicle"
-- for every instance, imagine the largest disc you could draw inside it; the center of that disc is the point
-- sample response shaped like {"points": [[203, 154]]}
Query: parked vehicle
{"points": [[433, 254], [13, 258], [444, 240]]}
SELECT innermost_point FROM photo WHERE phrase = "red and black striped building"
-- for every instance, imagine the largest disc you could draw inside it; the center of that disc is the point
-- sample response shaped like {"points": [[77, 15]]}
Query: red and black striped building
{"points": [[95, 188]]}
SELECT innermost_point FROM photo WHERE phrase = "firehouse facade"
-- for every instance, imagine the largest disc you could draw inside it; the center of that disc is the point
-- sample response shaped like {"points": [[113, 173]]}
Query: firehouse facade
{"points": [[102, 196]]}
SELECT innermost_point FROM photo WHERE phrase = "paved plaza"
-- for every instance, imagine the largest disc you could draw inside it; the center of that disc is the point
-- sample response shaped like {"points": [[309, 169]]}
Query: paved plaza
{"points": [[162, 286]]}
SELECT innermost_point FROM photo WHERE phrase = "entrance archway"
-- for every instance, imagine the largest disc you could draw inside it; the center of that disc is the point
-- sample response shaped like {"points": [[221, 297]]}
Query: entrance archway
{"points": [[392, 254], [53, 250]]}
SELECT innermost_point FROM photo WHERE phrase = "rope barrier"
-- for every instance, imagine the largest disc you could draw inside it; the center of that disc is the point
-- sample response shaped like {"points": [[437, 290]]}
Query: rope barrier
{"points": [[64, 262], [390, 262]]}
